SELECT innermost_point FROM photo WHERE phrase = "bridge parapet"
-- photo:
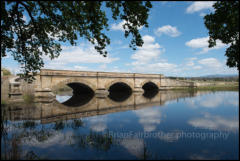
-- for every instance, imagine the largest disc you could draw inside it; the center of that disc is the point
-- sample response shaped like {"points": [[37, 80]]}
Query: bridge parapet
{"points": [[67, 73]]}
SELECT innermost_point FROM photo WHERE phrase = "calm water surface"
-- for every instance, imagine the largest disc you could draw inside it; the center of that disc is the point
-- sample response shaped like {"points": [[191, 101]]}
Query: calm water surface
{"points": [[164, 125]]}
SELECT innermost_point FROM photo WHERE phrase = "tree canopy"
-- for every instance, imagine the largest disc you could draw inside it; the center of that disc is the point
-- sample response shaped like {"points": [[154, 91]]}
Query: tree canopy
{"points": [[6, 71], [52, 22], [223, 24]]}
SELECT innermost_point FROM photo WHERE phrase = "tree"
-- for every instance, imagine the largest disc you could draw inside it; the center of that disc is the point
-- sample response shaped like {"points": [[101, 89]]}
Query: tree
{"points": [[52, 22], [6, 71], [224, 25]]}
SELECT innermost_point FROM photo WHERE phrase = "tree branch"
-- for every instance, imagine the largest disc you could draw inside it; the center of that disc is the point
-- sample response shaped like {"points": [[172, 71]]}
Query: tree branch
{"points": [[29, 13]]}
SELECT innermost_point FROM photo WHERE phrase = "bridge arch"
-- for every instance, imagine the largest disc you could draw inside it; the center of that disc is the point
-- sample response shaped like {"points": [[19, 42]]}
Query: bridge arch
{"points": [[150, 85], [122, 81], [119, 90], [150, 82], [75, 80]]}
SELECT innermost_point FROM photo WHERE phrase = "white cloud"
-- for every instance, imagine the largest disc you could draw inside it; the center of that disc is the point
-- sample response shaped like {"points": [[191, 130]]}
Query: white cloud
{"points": [[149, 51], [202, 14], [57, 138], [117, 42], [147, 58], [161, 68], [169, 136], [134, 146], [215, 122], [210, 100], [210, 62], [84, 54], [119, 26], [190, 61], [190, 64], [198, 6], [202, 43], [103, 66], [198, 42], [80, 55], [98, 123], [197, 67], [56, 65], [168, 30], [210, 66], [80, 67], [148, 39], [149, 118]]}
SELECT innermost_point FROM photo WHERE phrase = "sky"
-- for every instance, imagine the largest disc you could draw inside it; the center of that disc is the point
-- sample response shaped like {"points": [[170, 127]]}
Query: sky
{"points": [[175, 44]]}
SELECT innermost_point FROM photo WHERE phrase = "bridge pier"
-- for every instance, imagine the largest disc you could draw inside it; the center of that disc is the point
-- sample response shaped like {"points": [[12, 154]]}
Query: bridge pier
{"points": [[44, 93], [101, 93], [138, 90]]}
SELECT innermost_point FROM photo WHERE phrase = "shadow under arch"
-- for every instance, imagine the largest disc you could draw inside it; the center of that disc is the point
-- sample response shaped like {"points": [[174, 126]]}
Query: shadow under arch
{"points": [[119, 91], [82, 94], [150, 90]]}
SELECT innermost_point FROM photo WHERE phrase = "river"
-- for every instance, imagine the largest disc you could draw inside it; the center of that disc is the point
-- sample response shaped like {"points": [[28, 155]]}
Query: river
{"points": [[161, 125]]}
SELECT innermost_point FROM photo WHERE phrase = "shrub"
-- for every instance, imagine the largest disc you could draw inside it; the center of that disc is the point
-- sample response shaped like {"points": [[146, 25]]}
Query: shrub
{"points": [[6, 71]]}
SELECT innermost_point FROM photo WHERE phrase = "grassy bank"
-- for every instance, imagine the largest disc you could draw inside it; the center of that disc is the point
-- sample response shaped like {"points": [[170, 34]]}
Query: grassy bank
{"points": [[225, 88], [211, 87]]}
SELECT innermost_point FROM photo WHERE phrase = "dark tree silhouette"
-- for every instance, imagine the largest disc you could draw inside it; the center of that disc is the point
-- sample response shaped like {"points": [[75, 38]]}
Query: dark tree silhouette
{"points": [[52, 22], [223, 24]]}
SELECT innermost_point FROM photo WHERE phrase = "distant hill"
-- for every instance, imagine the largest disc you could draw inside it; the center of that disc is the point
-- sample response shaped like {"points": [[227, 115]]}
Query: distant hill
{"points": [[216, 77], [224, 77], [220, 76]]}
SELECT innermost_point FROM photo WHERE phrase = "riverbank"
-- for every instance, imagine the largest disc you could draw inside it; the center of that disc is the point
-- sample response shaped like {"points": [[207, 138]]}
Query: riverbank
{"points": [[212, 85]]}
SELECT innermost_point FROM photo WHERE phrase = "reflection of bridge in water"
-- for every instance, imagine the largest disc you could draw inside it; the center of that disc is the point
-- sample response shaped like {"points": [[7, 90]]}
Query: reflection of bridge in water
{"points": [[55, 111]]}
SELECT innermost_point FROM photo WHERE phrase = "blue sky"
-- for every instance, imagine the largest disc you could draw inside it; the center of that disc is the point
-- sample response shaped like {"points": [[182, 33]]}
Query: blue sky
{"points": [[175, 45]]}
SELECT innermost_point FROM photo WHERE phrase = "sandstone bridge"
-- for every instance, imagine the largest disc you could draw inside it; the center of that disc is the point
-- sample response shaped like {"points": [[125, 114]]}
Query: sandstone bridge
{"points": [[101, 83]]}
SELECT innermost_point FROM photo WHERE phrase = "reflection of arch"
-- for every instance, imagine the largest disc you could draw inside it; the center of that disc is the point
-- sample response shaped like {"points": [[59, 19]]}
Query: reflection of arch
{"points": [[128, 101], [75, 80], [82, 94], [90, 105]]}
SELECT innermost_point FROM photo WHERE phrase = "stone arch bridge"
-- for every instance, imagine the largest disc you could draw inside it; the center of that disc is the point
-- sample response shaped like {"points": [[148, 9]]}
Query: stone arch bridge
{"points": [[101, 82]]}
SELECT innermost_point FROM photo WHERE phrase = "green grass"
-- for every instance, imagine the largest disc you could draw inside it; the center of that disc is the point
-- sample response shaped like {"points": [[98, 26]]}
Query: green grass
{"points": [[219, 88]]}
